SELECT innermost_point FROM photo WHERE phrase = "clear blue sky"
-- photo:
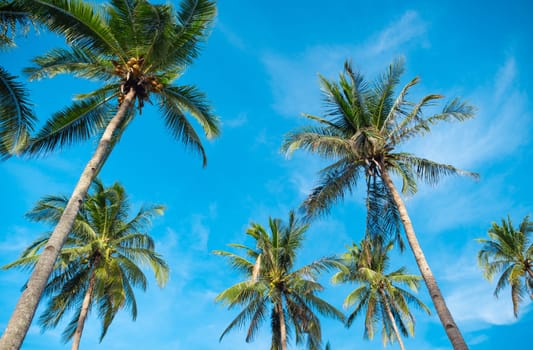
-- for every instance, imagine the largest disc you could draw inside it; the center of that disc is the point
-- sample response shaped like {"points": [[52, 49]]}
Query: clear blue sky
{"points": [[259, 70]]}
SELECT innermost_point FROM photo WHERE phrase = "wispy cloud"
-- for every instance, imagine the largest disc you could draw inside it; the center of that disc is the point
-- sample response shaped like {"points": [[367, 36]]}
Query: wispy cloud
{"points": [[469, 296], [498, 129], [294, 78], [240, 120], [232, 38]]}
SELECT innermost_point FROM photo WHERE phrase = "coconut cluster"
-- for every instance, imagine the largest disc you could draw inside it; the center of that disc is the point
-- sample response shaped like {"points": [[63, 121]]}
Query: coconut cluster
{"points": [[133, 77]]}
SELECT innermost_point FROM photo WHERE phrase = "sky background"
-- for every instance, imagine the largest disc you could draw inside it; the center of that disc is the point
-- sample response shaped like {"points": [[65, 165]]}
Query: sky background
{"points": [[259, 70]]}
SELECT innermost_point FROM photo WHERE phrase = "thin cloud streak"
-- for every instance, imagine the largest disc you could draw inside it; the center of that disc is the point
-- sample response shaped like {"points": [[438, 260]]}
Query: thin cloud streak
{"points": [[294, 79]]}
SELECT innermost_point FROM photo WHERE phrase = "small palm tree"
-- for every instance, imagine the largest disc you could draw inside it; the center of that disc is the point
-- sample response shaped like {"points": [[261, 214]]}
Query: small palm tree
{"points": [[363, 127], [380, 294], [509, 251], [17, 118], [99, 265], [273, 283], [138, 51]]}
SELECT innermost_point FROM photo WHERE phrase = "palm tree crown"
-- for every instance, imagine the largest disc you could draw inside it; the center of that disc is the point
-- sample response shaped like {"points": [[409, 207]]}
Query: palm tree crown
{"points": [[272, 282], [379, 293], [363, 126], [130, 46], [509, 251], [100, 260]]}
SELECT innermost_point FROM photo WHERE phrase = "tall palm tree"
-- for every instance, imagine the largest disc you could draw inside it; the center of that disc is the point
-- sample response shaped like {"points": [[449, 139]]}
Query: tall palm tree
{"points": [[379, 294], [99, 265], [17, 118], [363, 127], [509, 251], [137, 50], [273, 283]]}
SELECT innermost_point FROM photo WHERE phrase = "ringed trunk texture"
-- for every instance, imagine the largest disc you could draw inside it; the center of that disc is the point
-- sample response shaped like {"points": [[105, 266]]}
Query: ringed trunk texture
{"points": [[84, 312], [391, 317], [282, 326], [445, 316], [20, 320]]}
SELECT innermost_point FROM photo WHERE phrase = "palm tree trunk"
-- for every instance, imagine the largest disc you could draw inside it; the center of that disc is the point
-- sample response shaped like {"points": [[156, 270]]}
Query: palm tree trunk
{"points": [[452, 331], [391, 317], [84, 311], [282, 326], [20, 320]]}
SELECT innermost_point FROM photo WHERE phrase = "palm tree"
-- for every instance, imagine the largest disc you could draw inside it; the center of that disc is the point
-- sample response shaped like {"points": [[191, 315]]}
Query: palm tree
{"points": [[17, 118], [363, 126], [509, 251], [99, 265], [137, 50], [380, 294], [273, 283]]}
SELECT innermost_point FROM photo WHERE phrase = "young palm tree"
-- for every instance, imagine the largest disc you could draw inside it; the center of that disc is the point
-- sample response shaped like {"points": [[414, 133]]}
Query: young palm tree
{"points": [[509, 251], [363, 127], [137, 50], [99, 265], [380, 294], [16, 115], [273, 283]]}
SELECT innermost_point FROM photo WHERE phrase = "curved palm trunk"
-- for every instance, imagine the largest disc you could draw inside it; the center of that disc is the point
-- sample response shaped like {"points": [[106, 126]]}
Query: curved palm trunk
{"points": [[445, 316], [83, 313], [391, 317], [20, 320], [282, 325]]}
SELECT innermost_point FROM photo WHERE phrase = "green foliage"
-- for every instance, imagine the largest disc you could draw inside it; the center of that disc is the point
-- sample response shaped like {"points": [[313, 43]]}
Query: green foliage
{"points": [[509, 251], [127, 45], [378, 291], [362, 126], [17, 118], [272, 284], [106, 247]]}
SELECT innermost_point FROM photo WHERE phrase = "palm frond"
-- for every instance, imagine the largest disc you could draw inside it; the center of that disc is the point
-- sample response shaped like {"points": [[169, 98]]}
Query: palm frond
{"points": [[78, 61], [17, 118], [80, 122], [78, 22]]}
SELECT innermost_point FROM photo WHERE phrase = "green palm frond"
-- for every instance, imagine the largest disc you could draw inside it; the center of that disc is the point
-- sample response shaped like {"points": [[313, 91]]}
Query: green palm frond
{"points": [[365, 264], [360, 130], [17, 118], [14, 18], [78, 22], [78, 61], [194, 21], [81, 121], [381, 100], [428, 171], [335, 181], [508, 252], [105, 245], [271, 282]]}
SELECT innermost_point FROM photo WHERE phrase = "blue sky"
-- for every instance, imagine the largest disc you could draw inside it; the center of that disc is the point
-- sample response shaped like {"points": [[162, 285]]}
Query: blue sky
{"points": [[259, 70]]}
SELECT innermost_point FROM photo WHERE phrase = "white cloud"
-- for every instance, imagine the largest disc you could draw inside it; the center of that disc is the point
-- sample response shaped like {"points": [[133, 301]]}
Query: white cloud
{"points": [[200, 233], [294, 78], [232, 38], [240, 120], [401, 32], [498, 129], [469, 296]]}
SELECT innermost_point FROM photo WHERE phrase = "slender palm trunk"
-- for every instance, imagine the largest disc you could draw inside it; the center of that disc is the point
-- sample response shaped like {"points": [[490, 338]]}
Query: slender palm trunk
{"points": [[282, 326], [391, 317], [84, 311], [452, 331], [20, 320]]}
